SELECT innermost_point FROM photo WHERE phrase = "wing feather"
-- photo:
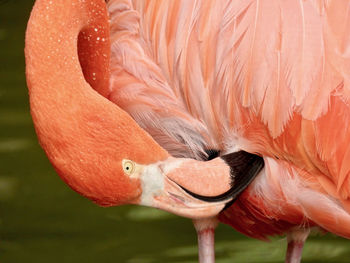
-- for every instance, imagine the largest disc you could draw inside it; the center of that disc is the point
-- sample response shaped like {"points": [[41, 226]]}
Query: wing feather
{"points": [[271, 77]]}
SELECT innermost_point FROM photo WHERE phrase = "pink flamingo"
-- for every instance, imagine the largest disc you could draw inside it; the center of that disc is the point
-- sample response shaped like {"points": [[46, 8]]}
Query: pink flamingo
{"points": [[179, 82]]}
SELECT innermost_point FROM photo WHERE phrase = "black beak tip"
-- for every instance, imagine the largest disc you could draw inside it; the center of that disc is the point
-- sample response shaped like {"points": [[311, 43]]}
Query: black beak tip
{"points": [[244, 167]]}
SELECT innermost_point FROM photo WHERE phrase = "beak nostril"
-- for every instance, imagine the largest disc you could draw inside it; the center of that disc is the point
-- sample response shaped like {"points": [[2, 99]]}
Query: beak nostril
{"points": [[177, 198]]}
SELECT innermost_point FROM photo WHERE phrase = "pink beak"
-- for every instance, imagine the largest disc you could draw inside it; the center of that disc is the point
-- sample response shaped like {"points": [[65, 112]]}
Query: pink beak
{"points": [[195, 189]]}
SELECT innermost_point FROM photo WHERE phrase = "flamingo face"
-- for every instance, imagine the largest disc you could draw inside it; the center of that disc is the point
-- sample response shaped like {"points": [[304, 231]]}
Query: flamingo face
{"points": [[163, 186], [166, 184], [160, 191]]}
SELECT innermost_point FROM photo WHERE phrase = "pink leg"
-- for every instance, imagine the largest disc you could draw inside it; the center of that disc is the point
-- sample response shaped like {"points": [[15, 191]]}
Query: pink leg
{"points": [[206, 244], [296, 239]]}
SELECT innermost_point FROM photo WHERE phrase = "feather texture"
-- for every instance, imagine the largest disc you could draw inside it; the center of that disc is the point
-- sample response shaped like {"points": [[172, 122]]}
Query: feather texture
{"points": [[269, 77]]}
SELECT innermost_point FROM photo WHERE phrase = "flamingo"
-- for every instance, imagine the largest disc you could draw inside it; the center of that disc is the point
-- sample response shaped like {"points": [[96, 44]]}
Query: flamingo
{"points": [[230, 111]]}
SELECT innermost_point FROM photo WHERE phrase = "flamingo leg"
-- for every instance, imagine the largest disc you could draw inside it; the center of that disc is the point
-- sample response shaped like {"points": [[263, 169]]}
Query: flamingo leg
{"points": [[206, 242], [296, 240]]}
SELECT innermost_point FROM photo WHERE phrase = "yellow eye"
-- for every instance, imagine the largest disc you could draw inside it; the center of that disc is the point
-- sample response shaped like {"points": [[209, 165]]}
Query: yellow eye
{"points": [[128, 166]]}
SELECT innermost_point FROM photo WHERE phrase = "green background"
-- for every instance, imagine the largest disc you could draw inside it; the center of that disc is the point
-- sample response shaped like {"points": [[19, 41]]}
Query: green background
{"points": [[42, 220]]}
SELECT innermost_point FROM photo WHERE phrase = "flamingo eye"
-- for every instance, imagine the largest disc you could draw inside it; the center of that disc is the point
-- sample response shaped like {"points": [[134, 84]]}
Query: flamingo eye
{"points": [[128, 166]]}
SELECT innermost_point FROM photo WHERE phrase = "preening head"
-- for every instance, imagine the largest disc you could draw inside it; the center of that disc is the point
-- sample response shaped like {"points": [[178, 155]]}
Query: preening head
{"points": [[96, 147]]}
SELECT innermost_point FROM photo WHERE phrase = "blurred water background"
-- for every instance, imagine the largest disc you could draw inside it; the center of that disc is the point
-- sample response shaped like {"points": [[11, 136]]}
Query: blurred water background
{"points": [[42, 220]]}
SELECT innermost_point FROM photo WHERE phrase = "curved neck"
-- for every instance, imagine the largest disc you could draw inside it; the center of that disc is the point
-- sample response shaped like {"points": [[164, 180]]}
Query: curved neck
{"points": [[84, 135], [60, 30]]}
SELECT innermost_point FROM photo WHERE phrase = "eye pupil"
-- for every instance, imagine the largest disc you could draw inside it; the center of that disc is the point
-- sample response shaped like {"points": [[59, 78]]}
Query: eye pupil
{"points": [[128, 166]]}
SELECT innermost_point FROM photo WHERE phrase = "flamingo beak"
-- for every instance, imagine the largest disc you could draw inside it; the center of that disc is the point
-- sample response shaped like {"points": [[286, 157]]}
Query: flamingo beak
{"points": [[194, 189]]}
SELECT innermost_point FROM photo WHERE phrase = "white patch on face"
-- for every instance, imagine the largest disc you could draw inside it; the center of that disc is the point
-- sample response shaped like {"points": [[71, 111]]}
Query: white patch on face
{"points": [[152, 179], [152, 182]]}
